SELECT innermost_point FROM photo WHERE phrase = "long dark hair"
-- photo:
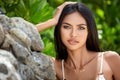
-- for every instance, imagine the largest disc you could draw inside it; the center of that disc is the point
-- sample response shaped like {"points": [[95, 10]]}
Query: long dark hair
{"points": [[92, 42]]}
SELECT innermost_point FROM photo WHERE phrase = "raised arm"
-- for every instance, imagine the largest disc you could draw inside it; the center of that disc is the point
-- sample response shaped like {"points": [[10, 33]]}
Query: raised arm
{"points": [[47, 24], [52, 22]]}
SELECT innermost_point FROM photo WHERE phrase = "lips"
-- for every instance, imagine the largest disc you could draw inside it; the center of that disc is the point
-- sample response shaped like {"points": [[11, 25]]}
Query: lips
{"points": [[72, 41]]}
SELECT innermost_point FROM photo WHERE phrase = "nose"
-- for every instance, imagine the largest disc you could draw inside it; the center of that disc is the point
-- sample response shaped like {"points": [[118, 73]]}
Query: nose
{"points": [[74, 33]]}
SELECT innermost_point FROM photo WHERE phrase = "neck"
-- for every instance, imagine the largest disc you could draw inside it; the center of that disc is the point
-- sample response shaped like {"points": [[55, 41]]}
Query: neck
{"points": [[76, 58]]}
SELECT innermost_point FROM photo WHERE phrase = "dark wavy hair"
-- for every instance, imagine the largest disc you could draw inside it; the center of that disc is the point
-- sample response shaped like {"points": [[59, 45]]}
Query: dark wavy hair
{"points": [[92, 42]]}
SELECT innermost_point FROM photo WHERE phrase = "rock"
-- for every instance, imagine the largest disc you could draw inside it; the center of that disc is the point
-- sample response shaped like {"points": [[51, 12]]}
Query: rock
{"points": [[21, 37], [2, 36], [8, 65], [21, 56], [26, 72], [41, 65], [31, 31]]}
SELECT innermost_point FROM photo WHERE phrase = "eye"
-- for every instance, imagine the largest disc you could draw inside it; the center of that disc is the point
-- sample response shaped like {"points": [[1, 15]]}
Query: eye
{"points": [[81, 28], [66, 27]]}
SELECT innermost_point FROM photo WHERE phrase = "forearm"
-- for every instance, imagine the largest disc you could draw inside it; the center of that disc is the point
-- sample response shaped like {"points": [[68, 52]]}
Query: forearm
{"points": [[47, 24], [54, 20]]}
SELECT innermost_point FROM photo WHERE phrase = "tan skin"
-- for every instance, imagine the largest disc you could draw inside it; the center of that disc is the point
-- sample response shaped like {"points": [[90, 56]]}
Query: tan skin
{"points": [[74, 34]]}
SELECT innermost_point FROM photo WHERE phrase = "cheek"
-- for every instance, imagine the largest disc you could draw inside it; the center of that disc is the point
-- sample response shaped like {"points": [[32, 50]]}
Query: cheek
{"points": [[83, 36], [64, 33], [64, 36]]}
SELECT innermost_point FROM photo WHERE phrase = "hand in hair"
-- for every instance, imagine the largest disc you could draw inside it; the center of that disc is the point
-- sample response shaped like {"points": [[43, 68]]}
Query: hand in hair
{"points": [[59, 10], [52, 22]]}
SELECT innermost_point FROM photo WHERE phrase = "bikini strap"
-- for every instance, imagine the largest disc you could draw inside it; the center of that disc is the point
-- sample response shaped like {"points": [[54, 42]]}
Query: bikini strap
{"points": [[63, 71], [101, 63], [101, 75]]}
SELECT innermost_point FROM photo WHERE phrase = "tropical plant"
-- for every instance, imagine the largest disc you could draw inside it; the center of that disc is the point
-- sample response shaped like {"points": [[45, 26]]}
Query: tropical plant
{"points": [[34, 11], [106, 14]]}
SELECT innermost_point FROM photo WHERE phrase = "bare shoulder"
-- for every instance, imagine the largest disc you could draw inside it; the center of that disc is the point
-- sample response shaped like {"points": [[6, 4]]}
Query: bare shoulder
{"points": [[113, 59], [57, 62], [111, 55]]}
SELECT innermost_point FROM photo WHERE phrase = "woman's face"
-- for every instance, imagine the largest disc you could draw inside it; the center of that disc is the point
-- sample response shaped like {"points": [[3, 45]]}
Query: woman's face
{"points": [[74, 31]]}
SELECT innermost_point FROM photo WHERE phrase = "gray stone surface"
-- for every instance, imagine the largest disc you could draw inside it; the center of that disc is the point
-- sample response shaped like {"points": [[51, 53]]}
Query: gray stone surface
{"points": [[21, 56], [8, 66]]}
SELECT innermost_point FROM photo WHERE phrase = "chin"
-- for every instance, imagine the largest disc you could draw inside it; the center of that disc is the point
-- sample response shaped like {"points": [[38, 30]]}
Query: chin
{"points": [[72, 49]]}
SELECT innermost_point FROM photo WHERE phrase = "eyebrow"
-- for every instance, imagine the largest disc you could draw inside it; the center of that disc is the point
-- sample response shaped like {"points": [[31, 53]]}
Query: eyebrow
{"points": [[83, 25], [67, 23], [77, 25]]}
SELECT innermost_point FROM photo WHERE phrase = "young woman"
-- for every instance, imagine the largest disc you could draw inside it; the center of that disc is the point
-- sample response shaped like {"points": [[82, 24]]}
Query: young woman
{"points": [[76, 41]]}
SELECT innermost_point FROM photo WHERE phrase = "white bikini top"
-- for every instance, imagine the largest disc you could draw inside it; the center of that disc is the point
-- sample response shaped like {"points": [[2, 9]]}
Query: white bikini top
{"points": [[100, 75]]}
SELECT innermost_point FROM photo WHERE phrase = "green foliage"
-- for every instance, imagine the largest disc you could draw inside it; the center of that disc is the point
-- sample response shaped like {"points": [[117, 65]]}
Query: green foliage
{"points": [[110, 38], [55, 3], [8, 5], [48, 39], [31, 10], [35, 11], [106, 14], [109, 8]]}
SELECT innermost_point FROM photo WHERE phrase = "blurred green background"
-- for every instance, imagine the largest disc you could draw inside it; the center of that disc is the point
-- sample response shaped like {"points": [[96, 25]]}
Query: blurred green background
{"points": [[106, 13]]}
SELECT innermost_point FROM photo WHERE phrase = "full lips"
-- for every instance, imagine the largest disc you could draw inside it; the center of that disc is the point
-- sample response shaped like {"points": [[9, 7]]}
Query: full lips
{"points": [[72, 41]]}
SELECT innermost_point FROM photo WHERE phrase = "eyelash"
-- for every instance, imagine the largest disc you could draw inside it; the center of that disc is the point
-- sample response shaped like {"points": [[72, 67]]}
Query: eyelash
{"points": [[66, 27], [79, 28]]}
